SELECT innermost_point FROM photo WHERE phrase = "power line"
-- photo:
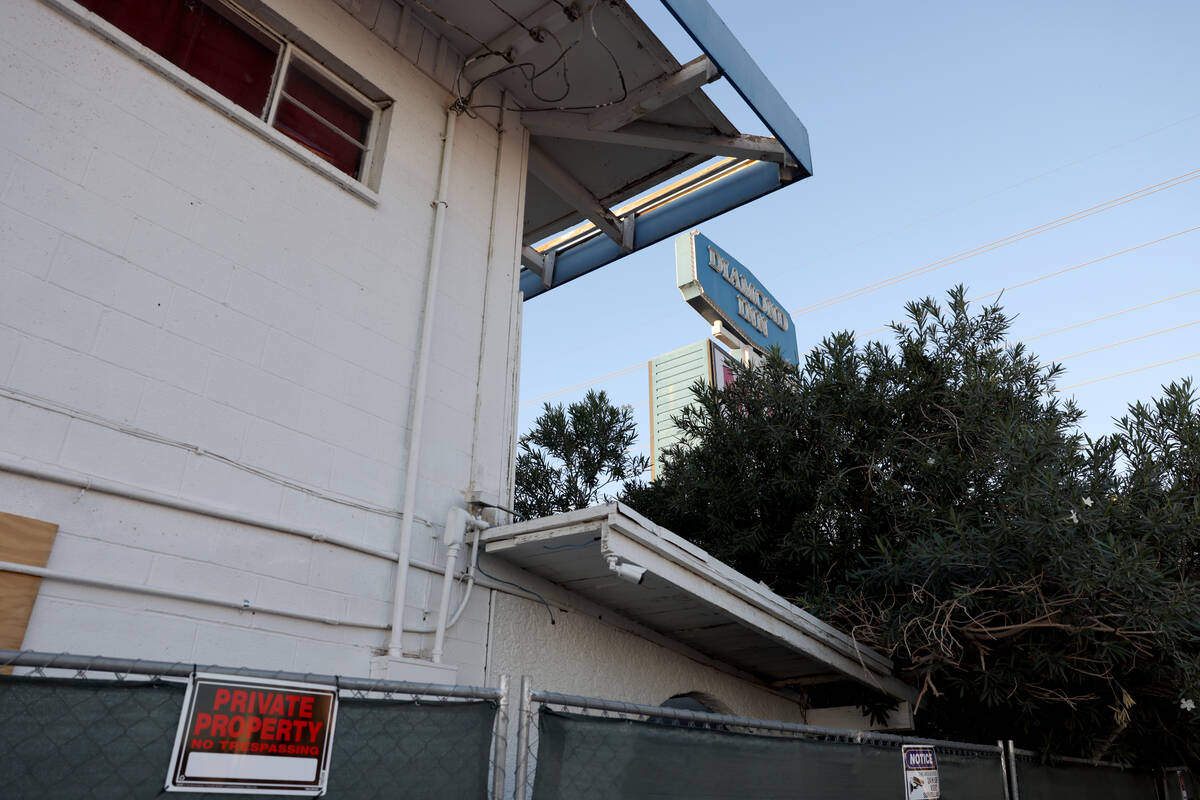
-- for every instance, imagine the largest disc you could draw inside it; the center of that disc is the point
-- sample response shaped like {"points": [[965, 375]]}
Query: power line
{"points": [[1021, 182], [583, 384], [1089, 262], [1028, 233], [1056, 272], [1123, 341], [1145, 192], [1107, 316], [1127, 372]]}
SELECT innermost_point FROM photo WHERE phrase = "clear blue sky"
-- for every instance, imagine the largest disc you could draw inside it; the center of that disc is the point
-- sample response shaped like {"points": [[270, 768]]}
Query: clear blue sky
{"points": [[937, 128]]}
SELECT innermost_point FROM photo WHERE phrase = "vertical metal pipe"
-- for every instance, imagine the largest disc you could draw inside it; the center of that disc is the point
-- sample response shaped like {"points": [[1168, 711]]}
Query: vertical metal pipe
{"points": [[524, 720], [1015, 790], [453, 534], [416, 418], [1004, 770], [500, 742]]}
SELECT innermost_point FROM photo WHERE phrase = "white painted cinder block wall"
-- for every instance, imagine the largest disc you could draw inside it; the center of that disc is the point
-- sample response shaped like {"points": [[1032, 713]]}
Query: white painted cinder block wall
{"points": [[165, 269]]}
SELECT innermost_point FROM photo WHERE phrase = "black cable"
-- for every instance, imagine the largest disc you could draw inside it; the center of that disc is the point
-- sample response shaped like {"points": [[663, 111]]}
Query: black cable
{"points": [[493, 505], [487, 574], [460, 29], [464, 100], [533, 32], [588, 543]]}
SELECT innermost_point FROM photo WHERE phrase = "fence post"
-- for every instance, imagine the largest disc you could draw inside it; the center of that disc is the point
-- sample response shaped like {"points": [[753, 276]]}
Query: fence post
{"points": [[1010, 756], [1004, 770], [500, 746], [524, 720]]}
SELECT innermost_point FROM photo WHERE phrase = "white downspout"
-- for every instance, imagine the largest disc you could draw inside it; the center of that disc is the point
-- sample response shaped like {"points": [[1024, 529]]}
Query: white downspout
{"points": [[418, 405]]}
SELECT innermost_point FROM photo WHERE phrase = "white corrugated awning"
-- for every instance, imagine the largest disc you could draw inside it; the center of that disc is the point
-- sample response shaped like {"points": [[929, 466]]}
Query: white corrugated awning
{"points": [[688, 595]]}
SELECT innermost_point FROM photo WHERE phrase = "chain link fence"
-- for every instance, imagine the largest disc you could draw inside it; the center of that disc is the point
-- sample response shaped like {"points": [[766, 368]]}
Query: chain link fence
{"points": [[77, 727], [580, 748]]}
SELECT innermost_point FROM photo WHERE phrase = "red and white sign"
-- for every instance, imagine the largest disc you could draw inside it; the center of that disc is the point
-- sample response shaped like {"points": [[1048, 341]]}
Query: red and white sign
{"points": [[251, 736]]}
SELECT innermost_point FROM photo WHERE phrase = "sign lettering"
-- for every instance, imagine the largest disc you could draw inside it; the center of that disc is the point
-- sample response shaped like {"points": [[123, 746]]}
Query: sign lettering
{"points": [[253, 737], [721, 289]]}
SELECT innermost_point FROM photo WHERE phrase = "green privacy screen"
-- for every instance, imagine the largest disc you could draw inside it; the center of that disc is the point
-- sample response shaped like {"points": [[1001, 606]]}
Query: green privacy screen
{"points": [[582, 757], [1062, 782], [66, 739]]}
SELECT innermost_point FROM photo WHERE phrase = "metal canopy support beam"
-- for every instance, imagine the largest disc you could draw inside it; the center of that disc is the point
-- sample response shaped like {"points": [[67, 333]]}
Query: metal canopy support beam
{"points": [[515, 41], [657, 136], [655, 94], [541, 263], [713, 36], [748, 183], [563, 184]]}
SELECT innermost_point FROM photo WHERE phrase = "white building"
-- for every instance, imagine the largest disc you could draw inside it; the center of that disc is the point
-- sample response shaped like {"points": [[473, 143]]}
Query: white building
{"points": [[260, 307]]}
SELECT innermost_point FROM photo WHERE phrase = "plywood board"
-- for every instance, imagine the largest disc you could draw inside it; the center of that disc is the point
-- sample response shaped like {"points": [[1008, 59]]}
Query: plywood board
{"points": [[23, 541]]}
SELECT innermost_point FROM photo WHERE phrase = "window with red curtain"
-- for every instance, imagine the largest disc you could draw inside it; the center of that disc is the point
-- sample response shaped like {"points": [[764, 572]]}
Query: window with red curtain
{"points": [[208, 41], [324, 120], [220, 46]]}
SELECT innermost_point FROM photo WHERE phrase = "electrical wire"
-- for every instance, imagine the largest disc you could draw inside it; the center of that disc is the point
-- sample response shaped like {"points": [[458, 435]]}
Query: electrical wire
{"points": [[465, 103], [1106, 316], [458, 28], [1127, 372], [1103, 206], [1123, 341], [1057, 272], [583, 384], [1022, 182], [55, 407], [1028, 233], [487, 574], [533, 33]]}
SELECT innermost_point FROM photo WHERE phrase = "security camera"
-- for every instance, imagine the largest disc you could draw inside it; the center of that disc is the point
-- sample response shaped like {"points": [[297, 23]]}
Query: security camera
{"points": [[627, 572]]}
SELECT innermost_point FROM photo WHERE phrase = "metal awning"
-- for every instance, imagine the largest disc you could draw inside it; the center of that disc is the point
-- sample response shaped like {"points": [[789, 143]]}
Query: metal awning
{"points": [[625, 147], [689, 596]]}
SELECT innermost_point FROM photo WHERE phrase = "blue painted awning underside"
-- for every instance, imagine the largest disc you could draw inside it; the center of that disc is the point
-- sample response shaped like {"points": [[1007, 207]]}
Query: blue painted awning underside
{"points": [[736, 187]]}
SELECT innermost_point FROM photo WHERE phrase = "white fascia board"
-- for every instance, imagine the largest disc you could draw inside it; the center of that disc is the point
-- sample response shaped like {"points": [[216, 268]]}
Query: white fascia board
{"points": [[793, 629], [756, 592], [632, 537]]}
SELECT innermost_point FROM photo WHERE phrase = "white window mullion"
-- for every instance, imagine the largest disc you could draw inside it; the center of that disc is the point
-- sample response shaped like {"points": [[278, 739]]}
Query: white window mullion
{"points": [[277, 84]]}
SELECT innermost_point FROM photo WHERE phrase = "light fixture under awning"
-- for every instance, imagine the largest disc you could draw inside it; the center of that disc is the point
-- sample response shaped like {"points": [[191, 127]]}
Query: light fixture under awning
{"points": [[689, 596]]}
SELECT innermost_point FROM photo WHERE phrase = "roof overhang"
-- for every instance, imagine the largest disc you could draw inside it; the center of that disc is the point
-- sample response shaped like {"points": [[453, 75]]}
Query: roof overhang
{"points": [[687, 595], [625, 147]]}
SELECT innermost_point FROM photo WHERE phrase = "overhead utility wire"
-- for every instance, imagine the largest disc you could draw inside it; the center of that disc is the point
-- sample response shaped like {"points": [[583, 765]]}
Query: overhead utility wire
{"points": [[1062, 271], [1072, 326], [1123, 341], [1028, 233], [1127, 372], [1088, 263], [1021, 182], [1107, 316], [583, 384]]}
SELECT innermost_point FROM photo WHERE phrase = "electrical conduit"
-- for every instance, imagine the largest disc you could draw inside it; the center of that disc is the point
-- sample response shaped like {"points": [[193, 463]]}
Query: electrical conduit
{"points": [[394, 648], [457, 521]]}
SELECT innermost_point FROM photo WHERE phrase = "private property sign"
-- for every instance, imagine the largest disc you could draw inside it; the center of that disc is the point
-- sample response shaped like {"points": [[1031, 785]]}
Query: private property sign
{"points": [[251, 736]]}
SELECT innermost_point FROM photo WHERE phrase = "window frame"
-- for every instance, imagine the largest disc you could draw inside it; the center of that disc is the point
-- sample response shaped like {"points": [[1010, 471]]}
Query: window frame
{"points": [[363, 185], [292, 52]]}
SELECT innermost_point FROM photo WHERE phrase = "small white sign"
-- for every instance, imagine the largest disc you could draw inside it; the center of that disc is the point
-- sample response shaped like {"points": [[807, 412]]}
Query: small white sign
{"points": [[920, 773], [251, 736]]}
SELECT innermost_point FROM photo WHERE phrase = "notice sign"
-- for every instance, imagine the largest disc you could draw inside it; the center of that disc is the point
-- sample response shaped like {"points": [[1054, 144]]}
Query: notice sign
{"points": [[920, 773], [251, 736]]}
